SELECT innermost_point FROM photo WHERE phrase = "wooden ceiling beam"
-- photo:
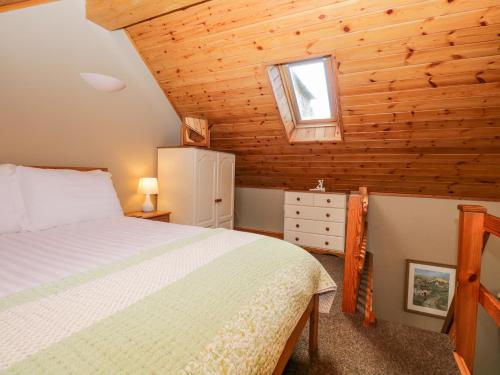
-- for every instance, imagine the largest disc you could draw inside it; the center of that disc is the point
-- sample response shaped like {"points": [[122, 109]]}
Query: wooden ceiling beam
{"points": [[7, 5], [117, 14]]}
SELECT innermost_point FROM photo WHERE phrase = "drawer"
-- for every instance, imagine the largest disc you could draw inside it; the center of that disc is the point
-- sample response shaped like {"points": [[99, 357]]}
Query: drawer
{"points": [[299, 199], [315, 240], [315, 213], [328, 228], [330, 200]]}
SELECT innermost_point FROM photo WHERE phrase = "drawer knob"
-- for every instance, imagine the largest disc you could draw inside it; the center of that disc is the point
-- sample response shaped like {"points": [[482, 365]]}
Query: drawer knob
{"points": [[297, 212], [327, 215], [326, 243], [297, 226], [328, 200], [298, 198], [296, 238], [327, 229]]}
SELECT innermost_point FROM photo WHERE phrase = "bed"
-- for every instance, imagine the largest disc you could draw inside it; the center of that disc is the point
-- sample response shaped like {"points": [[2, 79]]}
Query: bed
{"points": [[125, 295]]}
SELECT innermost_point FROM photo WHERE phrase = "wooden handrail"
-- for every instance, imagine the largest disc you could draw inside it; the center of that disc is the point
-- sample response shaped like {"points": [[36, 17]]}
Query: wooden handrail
{"points": [[475, 225], [492, 224], [462, 366], [490, 304], [355, 251]]}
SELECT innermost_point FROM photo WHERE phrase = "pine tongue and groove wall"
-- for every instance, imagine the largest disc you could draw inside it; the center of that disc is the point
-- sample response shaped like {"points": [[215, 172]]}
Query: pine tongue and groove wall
{"points": [[419, 89]]}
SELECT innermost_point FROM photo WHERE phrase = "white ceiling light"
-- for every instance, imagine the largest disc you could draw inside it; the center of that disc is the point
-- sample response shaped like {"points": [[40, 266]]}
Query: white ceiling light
{"points": [[103, 82]]}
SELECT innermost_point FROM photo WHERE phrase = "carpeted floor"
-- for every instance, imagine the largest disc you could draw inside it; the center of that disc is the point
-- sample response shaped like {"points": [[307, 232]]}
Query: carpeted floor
{"points": [[346, 347]]}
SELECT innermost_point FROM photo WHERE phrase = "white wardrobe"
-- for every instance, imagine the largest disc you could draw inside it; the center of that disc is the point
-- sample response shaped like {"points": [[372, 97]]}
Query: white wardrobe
{"points": [[197, 186]]}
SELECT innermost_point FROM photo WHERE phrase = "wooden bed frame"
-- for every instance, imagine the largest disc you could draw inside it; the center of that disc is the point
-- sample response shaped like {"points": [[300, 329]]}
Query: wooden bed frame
{"points": [[311, 312], [81, 169]]}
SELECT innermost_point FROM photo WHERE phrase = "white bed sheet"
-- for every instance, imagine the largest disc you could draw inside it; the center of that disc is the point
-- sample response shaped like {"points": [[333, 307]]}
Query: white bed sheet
{"points": [[30, 259]]}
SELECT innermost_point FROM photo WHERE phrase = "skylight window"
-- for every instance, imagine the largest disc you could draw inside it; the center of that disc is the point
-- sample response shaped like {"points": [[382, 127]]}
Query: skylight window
{"points": [[309, 85], [306, 98]]}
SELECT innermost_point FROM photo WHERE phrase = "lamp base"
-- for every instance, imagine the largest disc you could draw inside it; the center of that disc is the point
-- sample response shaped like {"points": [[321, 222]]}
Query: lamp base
{"points": [[148, 205]]}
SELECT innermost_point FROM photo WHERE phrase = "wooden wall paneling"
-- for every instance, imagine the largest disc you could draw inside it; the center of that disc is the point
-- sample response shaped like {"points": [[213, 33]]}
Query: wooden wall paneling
{"points": [[419, 84]]}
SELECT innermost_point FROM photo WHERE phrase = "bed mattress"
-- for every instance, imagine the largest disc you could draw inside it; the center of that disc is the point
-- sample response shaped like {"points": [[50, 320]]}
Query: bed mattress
{"points": [[135, 296]]}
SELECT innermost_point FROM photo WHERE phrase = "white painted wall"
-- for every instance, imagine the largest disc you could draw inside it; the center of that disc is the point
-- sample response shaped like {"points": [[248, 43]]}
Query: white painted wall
{"points": [[50, 116]]}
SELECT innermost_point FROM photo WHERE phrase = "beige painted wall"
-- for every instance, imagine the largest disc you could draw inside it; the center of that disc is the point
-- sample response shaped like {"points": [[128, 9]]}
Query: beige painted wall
{"points": [[424, 229], [259, 208], [50, 116], [401, 228]]}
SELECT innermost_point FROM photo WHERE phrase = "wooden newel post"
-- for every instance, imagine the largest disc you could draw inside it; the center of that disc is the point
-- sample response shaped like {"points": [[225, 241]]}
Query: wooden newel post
{"points": [[470, 244]]}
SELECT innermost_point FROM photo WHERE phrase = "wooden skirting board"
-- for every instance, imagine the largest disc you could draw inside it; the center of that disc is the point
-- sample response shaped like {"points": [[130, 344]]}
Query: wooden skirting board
{"points": [[261, 231], [279, 235]]}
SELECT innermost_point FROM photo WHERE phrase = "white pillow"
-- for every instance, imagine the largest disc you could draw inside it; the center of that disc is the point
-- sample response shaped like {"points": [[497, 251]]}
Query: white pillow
{"points": [[54, 197], [12, 212]]}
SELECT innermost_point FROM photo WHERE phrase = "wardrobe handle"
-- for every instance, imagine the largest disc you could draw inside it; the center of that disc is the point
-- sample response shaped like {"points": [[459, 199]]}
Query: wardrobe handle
{"points": [[327, 215], [297, 226], [298, 199], [296, 238], [328, 200], [218, 200], [327, 229], [297, 212], [326, 243]]}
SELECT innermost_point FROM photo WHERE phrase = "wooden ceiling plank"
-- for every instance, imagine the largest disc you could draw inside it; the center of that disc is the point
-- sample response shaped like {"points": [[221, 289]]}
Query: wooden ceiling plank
{"points": [[369, 14], [318, 41], [442, 114], [418, 106], [417, 56], [459, 91], [454, 79], [251, 18], [117, 14]]}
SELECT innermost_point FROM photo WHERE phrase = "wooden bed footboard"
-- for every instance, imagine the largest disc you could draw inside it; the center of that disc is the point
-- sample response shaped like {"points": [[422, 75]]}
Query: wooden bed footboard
{"points": [[312, 314]]}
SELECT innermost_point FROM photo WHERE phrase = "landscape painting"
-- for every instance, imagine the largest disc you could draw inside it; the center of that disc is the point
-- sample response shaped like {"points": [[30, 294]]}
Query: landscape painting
{"points": [[429, 288]]}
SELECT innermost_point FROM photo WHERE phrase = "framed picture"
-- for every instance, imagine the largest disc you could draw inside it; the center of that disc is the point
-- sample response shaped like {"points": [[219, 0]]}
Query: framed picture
{"points": [[429, 288]]}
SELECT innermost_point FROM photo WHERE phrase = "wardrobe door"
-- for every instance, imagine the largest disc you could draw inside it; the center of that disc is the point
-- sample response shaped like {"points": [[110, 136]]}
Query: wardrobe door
{"points": [[206, 188], [225, 190]]}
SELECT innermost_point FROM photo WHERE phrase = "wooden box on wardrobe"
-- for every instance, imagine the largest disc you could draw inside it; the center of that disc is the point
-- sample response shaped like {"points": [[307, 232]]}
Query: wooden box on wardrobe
{"points": [[197, 186]]}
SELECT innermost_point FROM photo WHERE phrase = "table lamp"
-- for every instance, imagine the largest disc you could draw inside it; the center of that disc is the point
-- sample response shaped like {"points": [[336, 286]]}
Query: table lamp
{"points": [[148, 185]]}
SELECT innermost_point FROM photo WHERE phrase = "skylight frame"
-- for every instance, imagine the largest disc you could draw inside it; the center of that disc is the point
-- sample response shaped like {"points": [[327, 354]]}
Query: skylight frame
{"points": [[292, 97]]}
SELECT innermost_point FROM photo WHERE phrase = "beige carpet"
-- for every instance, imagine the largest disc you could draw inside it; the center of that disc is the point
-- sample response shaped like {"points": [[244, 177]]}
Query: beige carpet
{"points": [[346, 347]]}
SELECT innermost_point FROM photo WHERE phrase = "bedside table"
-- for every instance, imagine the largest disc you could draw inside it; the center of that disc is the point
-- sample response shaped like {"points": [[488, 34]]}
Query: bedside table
{"points": [[153, 215]]}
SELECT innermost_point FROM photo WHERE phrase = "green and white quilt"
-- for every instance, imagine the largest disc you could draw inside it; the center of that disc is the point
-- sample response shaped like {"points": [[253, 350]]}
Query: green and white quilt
{"points": [[219, 302]]}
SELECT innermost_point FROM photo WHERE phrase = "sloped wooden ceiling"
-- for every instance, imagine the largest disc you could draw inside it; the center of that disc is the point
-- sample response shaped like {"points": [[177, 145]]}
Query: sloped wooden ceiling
{"points": [[419, 89]]}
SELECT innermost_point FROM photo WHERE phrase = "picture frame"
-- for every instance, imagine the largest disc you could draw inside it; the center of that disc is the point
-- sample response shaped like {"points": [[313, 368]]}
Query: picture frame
{"points": [[429, 288]]}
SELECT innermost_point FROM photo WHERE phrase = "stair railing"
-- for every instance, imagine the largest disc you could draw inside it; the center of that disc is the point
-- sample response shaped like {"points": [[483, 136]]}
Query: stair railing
{"points": [[475, 227], [355, 255]]}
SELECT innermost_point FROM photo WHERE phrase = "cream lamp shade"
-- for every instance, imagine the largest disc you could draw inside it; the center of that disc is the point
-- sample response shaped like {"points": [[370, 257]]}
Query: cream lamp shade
{"points": [[148, 186]]}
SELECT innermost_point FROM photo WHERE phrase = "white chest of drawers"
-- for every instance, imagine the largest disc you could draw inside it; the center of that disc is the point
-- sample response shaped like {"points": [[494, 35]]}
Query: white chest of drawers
{"points": [[315, 220]]}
